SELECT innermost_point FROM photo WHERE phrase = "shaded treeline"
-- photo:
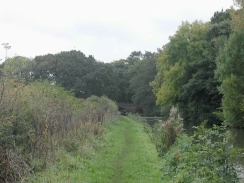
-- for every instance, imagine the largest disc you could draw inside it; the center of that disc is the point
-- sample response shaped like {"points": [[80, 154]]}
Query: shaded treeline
{"points": [[199, 70], [122, 81], [187, 65]]}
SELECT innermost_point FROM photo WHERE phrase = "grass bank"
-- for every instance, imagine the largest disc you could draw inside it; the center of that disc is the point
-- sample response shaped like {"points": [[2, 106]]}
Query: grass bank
{"points": [[125, 154]]}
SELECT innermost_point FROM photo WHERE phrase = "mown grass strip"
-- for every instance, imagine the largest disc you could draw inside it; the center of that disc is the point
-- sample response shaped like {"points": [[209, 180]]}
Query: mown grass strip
{"points": [[125, 155]]}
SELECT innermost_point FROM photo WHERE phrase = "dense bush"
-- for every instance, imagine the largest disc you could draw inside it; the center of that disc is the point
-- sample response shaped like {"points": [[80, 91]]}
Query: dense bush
{"points": [[207, 156], [39, 118]]}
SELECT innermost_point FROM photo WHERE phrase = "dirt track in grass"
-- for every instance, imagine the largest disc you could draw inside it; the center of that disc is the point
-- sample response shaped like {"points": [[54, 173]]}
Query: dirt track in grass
{"points": [[137, 160]]}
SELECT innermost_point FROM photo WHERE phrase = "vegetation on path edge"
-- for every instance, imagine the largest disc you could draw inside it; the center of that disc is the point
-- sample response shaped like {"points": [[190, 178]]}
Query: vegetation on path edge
{"points": [[125, 154]]}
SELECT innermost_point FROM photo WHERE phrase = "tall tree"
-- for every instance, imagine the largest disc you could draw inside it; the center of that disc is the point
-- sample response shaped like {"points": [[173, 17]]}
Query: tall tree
{"points": [[186, 73], [18, 67], [175, 61], [74, 71], [120, 69], [134, 57], [238, 16], [141, 74], [230, 64]]}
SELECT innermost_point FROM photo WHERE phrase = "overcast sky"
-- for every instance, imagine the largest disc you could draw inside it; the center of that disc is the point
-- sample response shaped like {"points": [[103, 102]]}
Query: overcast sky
{"points": [[107, 29]]}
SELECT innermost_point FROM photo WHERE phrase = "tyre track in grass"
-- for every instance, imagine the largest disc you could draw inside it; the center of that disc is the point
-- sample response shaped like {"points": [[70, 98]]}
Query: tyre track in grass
{"points": [[137, 161], [122, 157]]}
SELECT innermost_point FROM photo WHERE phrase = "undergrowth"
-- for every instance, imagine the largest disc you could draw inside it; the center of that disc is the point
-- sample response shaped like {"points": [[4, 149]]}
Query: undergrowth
{"points": [[199, 158], [39, 119], [124, 154], [207, 156]]}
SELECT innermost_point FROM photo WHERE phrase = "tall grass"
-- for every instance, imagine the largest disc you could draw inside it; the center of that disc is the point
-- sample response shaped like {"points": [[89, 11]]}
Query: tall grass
{"points": [[166, 132], [38, 119], [125, 154]]}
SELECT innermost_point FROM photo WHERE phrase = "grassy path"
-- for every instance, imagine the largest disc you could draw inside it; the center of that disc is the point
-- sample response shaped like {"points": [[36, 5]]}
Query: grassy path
{"points": [[126, 155]]}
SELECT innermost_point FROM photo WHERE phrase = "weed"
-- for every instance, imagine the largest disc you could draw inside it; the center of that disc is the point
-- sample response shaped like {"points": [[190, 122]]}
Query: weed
{"points": [[165, 133], [200, 159], [125, 154]]}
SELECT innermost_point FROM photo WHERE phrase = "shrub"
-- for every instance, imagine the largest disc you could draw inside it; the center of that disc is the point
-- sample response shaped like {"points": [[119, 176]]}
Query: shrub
{"points": [[39, 118], [165, 133], [199, 158]]}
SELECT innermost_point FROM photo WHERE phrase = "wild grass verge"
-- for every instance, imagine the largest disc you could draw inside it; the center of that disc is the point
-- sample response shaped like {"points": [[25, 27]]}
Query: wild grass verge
{"points": [[39, 119], [207, 156], [124, 154], [199, 158]]}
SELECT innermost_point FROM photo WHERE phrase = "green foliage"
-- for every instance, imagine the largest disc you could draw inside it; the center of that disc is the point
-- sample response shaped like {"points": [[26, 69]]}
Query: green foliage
{"points": [[19, 68], [220, 16], [125, 154], [141, 74], [186, 73], [39, 118], [172, 79], [221, 26], [74, 71], [120, 68], [238, 16], [85, 76], [134, 57], [200, 158], [165, 110], [99, 109], [133, 77], [123, 75], [230, 73]]}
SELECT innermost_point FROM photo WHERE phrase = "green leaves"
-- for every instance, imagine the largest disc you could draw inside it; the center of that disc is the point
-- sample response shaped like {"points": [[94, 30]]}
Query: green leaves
{"points": [[140, 75], [207, 155], [229, 72], [38, 118], [186, 73], [74, 71], [170, 89]]}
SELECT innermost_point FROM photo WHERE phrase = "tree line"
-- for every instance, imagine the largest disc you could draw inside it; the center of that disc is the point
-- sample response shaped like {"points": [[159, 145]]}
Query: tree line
{"points": [[122, 81], [199, 70], [48, 103]]}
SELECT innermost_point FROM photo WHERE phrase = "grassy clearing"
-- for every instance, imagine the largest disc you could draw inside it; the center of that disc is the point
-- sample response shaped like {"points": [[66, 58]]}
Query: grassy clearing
{"points": [[124, 155]]}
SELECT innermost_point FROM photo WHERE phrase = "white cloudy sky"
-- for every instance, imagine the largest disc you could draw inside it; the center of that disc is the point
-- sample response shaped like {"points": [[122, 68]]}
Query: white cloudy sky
{"points": [[107, 29]]}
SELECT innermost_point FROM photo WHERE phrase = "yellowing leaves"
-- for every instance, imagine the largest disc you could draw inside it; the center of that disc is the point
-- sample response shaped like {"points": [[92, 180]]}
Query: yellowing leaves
{"points": [[186, 47], [170, 88], [237, 19]]}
